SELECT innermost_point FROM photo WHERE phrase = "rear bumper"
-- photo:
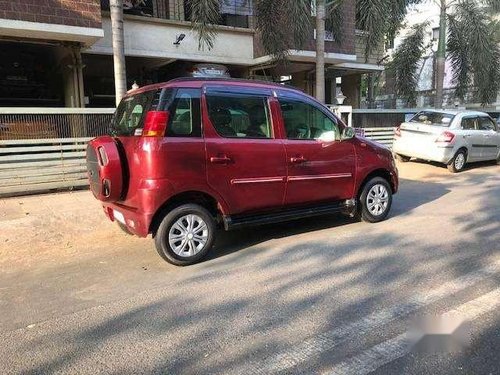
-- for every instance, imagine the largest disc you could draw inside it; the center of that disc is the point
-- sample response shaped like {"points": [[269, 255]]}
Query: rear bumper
{"points": [[135, 221], [441, 153]]}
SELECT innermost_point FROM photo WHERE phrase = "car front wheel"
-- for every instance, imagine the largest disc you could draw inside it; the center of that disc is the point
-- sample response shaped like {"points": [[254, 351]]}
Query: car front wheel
{"points": [[375, 200], [185, 235]]}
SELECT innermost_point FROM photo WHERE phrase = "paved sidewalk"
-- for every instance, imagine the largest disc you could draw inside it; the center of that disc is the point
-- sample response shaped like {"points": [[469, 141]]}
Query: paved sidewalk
{"points": [[51, 227]]}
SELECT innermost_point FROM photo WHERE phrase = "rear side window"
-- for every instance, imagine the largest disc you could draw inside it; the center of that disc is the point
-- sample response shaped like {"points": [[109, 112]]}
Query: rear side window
{"points": [[433, 118], [468, 123], [132, 110], [240, 115], [185, 118]]}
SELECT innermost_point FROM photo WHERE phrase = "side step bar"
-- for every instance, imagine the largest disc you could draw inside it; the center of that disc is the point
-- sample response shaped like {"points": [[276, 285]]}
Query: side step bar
{"points": [[241, 221]]}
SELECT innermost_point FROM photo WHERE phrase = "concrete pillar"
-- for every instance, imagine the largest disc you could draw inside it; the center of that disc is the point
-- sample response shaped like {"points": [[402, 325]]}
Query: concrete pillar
{"points": [[176, 10], [69, 72], [299, 80], [351, 87]]}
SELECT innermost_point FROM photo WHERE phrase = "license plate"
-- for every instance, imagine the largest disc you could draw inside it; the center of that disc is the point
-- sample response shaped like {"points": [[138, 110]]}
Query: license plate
{"points": [[119, 216]]}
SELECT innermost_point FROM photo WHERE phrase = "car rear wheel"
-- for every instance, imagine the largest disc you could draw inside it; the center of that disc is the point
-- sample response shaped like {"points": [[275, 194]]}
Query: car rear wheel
{"points": [[457, 164], [185, 235], [402, 158], [375, 200]]}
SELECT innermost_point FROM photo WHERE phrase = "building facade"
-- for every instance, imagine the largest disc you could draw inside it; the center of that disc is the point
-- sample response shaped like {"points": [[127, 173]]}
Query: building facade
{"points": [[59, 52]]}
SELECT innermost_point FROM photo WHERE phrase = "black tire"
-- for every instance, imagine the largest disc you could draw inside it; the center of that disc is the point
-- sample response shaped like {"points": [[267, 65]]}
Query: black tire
{"points": [[402, 158], [161, 236], [363, 210], [455, 166]]}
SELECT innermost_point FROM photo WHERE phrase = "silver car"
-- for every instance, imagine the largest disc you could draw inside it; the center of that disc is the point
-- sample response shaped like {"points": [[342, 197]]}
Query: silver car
{"points": [[450, 137]]}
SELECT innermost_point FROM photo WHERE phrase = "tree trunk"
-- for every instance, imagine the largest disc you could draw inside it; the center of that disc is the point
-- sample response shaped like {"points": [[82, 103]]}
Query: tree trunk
{"points": [[116, 9], [441, 57], [320, 50]]}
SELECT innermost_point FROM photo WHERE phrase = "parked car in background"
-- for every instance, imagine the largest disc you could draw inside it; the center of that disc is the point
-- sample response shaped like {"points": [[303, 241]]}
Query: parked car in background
{"points": [[193, 154], [454, 138]]}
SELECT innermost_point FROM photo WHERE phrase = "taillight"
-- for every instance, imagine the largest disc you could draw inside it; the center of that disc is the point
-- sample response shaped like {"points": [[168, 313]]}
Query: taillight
{"points": [[397, 131], [446, 137], [155, 124]]}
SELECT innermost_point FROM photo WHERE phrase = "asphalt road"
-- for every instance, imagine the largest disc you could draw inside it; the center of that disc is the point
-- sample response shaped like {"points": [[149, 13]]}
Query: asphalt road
{"points": [[317, 296]]}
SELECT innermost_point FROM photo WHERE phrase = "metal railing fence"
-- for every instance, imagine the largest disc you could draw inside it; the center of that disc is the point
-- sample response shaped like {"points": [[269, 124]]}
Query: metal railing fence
{"points": [[43, 123]]}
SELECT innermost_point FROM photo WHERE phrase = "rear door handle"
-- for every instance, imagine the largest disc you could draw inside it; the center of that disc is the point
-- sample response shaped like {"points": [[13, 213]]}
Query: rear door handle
{"points": [[297, 159], [220, 159]]}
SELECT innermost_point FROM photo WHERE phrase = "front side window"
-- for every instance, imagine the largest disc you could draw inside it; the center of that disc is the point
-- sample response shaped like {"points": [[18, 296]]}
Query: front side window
{"points": [[185, 119], [485, 123], [239, 115], [304, 121]]}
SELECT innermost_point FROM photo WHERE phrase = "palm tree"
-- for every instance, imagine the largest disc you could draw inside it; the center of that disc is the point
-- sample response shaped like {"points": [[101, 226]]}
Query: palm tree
{"points": [[470, 43], [320, 50], [290, 27], [116, 10]]}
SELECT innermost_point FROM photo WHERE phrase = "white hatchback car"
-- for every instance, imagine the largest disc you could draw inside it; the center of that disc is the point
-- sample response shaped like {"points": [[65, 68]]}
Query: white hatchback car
{"points": [[450, 137]]}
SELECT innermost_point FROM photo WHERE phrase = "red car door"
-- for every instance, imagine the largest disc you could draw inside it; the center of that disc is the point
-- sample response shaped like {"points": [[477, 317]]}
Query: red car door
{"points": [[245, 159], [321, 167]]}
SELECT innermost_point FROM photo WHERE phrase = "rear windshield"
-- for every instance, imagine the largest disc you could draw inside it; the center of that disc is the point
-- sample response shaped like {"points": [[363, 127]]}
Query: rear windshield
{"points": [[433, 118], [131, 111]]}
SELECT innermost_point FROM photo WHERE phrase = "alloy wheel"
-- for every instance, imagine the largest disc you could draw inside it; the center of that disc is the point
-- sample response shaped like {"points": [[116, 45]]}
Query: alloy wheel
{"points": [[377, 200], [188, 235]]}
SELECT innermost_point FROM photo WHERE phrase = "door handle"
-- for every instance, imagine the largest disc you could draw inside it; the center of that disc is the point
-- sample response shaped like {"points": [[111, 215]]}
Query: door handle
{"points": [[220, 159], [297, 159]]}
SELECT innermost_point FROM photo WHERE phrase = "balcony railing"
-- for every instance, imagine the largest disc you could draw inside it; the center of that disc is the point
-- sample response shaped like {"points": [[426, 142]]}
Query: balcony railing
{"points": [[234, 13]]}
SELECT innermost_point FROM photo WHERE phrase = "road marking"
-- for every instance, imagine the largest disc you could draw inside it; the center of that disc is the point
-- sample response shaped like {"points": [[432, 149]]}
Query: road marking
{"points": [[390, 350], [316, 345]]}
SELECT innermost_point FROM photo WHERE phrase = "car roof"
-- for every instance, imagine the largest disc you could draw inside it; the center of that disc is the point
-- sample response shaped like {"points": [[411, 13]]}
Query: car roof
{"points": [[455, 112], [196, 82]]}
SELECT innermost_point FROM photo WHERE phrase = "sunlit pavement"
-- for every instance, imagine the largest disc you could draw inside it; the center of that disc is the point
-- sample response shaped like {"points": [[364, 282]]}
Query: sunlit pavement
{"points": [[323, 295]]}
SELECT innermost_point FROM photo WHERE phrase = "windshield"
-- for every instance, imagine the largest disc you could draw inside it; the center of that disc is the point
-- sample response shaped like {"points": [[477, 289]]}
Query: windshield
{"points": [[433, 118]]}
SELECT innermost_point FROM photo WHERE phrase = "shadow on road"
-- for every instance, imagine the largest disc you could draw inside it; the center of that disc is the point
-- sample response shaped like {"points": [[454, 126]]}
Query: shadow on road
{"points": [[309, 283], [412, 194]]}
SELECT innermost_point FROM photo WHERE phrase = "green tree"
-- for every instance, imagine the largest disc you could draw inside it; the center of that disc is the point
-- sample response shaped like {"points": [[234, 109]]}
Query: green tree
{"points": [[470, 42], [404, 65], [286, 25]]}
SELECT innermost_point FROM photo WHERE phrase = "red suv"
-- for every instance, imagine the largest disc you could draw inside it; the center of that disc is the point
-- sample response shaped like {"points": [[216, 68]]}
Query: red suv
{"points": [[191, 155]]}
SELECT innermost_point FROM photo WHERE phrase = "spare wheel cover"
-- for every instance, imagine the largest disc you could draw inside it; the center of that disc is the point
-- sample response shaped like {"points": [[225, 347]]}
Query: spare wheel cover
{"points": [[104, 169]]}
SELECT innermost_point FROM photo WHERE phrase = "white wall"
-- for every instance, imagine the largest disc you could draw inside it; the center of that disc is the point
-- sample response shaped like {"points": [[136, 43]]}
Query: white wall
{"points": [[154, 38]]}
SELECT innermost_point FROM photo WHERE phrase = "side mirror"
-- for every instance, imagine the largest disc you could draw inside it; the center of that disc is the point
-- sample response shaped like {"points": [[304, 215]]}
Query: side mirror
{"points": [[348, 133]]}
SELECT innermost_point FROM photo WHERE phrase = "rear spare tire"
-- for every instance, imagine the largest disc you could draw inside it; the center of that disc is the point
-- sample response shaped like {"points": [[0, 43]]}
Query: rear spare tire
{"points": [[104, 169]]}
